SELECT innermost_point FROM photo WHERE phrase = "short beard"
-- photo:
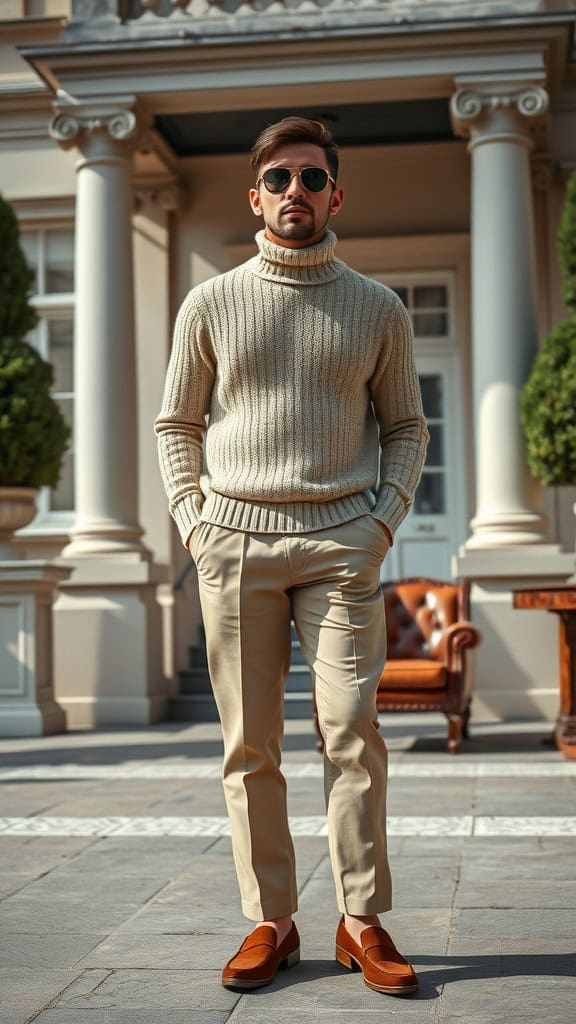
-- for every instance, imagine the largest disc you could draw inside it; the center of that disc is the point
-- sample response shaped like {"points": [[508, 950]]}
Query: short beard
{"points": [[300, 230]]}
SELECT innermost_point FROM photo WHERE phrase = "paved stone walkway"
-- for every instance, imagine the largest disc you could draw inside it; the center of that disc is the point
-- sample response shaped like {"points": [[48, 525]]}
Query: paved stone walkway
{"points": [[118, 898]]}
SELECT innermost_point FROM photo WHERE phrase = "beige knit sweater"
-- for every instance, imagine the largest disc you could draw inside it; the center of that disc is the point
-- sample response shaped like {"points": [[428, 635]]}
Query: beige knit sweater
{"points": [[305, 371]]}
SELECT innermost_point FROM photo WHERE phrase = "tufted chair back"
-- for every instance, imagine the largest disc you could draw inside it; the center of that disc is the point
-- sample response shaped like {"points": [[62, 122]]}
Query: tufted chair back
{"points": [[418, 612]]}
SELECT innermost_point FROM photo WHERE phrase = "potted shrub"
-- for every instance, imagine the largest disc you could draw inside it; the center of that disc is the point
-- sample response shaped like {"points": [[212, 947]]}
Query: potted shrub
{"points": [[33, 432], [548, 398]]}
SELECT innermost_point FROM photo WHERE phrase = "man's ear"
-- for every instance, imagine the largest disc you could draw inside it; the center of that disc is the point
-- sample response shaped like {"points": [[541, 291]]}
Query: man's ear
{"points": [[337, 200], [254, 199]]}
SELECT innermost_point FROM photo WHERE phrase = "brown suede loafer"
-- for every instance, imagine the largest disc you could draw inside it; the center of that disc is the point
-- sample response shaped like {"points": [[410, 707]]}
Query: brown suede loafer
{"points": [[258, 959], [384, 969]]}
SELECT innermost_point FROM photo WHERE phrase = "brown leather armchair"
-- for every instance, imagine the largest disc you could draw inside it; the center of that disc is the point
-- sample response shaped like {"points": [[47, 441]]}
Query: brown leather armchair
{"points": [[428, 633]]}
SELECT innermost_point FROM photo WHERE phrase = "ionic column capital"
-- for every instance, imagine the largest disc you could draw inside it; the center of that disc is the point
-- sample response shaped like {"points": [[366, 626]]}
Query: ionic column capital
{"points": [[98, 131], [498, 111]]}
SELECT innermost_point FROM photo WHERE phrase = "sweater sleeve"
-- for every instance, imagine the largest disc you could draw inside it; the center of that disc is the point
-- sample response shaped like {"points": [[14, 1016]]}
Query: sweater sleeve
{"points": [[181, 424], [395, 393]]}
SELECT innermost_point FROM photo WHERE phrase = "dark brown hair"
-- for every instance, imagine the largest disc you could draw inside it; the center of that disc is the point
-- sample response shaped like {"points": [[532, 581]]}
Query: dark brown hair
{"points": [[294, 129]]}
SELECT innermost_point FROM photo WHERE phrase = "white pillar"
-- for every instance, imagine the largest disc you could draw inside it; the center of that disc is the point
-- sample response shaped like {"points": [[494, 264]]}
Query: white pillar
{"points": [[105, 379], [516, 665], [498, 121], [107, 638]]}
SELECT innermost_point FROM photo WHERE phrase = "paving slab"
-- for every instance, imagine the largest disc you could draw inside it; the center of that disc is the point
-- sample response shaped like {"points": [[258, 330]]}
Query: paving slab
{"points": [[147, 990], [20, 1016], [34, 855], [45, 950], [139, 927], [249, 1013], [510, 894], [558, 925], [316, 986], [504, 996], [559, 866], [159, 857], [125, 1016], [33, 987]]}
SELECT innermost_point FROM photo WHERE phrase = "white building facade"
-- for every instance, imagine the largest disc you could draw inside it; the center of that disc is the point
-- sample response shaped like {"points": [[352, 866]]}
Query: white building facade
{"points": [[124, 133]]}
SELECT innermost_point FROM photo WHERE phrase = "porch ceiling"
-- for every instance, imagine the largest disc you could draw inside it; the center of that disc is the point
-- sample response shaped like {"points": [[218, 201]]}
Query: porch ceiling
{"points": [[353, 124]]}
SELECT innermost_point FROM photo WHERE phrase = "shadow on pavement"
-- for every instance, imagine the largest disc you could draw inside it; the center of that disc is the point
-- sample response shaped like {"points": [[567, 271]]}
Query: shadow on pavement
{"points": [[446, 970]]}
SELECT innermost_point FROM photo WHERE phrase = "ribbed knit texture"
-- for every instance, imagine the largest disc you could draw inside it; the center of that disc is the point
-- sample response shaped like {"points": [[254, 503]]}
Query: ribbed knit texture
{"points": [[299, 363]]}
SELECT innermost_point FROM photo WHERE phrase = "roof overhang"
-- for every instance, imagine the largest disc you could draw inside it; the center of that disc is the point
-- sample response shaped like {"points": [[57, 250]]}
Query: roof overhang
{"points": [[399, 63]]}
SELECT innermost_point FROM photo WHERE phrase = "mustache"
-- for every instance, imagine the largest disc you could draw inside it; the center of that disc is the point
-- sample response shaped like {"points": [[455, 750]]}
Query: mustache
{"points": [[300, 205]]}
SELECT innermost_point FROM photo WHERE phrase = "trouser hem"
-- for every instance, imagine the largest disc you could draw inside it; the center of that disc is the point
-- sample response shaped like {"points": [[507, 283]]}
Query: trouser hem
{"points": [[363, 908], [267, 912]]}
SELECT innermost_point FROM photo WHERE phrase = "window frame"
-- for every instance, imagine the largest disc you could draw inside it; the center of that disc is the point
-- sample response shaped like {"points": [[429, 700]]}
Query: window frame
{"points": [[56, 305]]}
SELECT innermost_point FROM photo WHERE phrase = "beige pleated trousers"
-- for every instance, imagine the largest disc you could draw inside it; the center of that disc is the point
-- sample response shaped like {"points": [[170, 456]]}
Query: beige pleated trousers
{"points": [[328, 581]]}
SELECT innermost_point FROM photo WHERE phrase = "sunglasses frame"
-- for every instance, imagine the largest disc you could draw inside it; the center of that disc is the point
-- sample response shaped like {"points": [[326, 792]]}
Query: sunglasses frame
{"points": [[298, 171]]}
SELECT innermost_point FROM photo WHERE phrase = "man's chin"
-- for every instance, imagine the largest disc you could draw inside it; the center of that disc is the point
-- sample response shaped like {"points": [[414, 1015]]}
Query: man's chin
{"points": [[296, 231]]}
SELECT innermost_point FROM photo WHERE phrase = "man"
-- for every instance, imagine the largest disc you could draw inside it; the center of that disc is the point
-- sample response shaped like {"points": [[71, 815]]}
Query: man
{"points": [[306, 372]]}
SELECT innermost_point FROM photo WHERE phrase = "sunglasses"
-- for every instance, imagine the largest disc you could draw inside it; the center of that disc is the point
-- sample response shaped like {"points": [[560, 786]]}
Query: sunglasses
{"points": [[313, 179]]}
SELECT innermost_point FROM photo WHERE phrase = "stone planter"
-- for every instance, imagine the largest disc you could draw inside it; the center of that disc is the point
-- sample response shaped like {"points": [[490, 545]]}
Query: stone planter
{"points": [[17, 509]]}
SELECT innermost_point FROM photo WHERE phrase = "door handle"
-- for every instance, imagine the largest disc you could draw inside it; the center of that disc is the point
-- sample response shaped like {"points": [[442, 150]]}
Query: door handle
{"points": [[425, 527]]}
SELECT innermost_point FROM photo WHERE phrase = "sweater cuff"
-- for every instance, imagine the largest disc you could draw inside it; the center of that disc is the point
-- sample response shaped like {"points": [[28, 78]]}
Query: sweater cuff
{"points": [[390, 508], [186, 515]]}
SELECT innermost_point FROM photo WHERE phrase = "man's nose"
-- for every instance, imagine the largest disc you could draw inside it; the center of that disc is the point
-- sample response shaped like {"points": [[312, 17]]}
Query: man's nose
{"points": [[295, 187]]}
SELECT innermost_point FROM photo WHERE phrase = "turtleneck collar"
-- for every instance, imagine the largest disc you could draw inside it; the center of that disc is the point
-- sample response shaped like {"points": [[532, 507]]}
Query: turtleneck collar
{"points": [[313, 264]]}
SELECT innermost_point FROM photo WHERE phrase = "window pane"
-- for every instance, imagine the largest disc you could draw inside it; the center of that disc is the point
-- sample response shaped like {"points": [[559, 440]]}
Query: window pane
{"points": [[430, 296], [432, 396], [429, 499], [62, 496], [435, 454], [430, 325], [402, 294], [29, 245], [61, 353], [59, 261]]}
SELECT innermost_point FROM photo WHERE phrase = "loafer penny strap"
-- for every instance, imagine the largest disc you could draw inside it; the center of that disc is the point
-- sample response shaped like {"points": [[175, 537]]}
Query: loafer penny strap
{"points": [[377, 938], [265, 936]]}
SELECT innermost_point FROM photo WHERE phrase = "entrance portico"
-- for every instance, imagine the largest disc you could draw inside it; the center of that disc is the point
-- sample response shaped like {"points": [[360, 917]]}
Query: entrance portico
{"points": [[496, 94]]}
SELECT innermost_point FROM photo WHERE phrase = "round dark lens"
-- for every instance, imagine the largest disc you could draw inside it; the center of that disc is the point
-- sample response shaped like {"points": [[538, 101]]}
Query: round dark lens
{"points": [[276, 179], [314, 179]]}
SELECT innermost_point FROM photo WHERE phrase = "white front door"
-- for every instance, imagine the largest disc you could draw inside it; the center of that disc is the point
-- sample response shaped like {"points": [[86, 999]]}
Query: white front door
{"points": [[430, 534]]}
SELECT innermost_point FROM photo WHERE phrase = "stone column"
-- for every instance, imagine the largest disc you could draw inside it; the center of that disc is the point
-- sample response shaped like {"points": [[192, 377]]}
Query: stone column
{"points": [[516, 664], [498, 120], [107, 638], [105, 380]]}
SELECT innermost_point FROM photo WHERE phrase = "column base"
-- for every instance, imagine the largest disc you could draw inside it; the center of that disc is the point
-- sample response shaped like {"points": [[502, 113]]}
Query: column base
{"points": [[516, 665], [19, 719], [108, 645], [507, 530], [106, 539], [27, 705]]}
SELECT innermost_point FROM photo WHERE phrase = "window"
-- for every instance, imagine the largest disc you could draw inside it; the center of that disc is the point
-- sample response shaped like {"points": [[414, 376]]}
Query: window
{"points": [[428, 306], [428, 299], [50, 253]]}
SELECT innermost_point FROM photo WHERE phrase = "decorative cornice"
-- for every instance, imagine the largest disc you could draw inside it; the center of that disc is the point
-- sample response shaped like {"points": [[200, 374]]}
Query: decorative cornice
{"points": [[169, 195], [501, 110], [543, 172]]}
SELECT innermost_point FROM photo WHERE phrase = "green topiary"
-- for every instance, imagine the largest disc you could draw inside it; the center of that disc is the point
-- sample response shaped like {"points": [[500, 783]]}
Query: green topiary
{"points": [[548, 409], [17, 316], [566, 240], [548, 398], [33, 432]]}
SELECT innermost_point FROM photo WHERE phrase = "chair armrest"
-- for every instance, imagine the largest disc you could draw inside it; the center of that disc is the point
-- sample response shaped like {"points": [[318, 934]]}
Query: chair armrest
{"points": [[458, 637]]}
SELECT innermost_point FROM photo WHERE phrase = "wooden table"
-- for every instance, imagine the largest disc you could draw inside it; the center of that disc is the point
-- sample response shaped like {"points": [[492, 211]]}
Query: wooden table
{"points": [[562, 601]]}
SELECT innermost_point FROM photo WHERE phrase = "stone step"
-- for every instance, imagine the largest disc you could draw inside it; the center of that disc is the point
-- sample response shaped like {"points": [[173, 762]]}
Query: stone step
{"points": [[201, 707]]}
